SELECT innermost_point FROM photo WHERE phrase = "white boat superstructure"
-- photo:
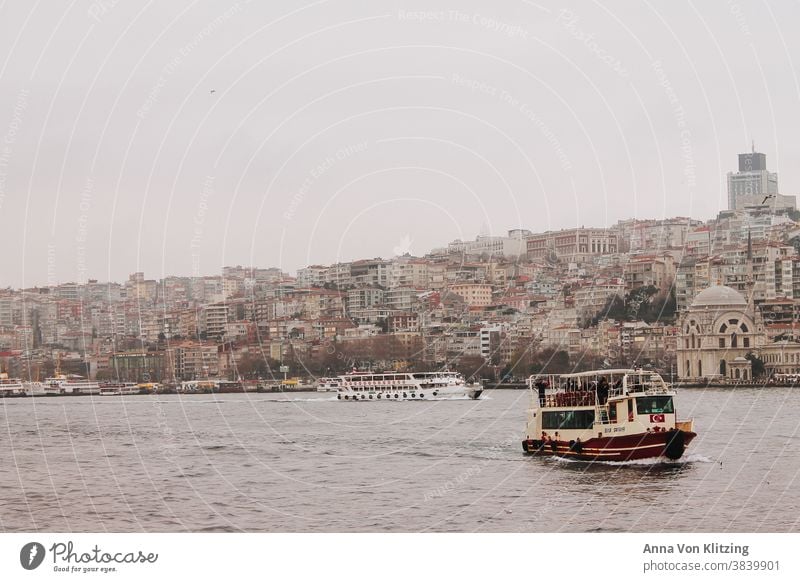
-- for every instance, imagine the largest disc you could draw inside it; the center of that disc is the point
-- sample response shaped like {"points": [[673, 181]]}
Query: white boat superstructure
{"points": [[11, 386], [406, 386], [119, 389], [328, 384], [61, 384], [34, 389]]}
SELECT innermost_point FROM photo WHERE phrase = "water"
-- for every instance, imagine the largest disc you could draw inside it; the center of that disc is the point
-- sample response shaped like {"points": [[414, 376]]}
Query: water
{"points": [[257, 462]]}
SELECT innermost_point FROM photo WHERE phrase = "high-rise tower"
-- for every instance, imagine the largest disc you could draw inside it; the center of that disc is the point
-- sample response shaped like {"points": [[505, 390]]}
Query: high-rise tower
{"points": [[753, 183]]}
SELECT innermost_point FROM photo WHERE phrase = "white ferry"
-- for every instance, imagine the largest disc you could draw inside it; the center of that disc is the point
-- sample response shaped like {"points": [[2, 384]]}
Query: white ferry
{"points": [[406, 386], [34, 389], [119, 389], [209, 386], [69, 385], [605, 415], [11, 387], [328, 384]]}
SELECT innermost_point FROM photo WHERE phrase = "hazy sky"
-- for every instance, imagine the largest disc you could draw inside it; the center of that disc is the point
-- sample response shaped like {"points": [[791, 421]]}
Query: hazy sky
{"points": [[177, 137]]}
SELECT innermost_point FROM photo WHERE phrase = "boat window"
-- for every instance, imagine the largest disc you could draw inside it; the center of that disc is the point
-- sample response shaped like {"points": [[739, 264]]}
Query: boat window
{"points": [[563, 419], [654, 405]]}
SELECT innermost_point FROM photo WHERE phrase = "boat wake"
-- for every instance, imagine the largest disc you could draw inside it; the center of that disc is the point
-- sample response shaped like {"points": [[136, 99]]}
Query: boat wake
{"points": [[659, 461], [324, 399]]}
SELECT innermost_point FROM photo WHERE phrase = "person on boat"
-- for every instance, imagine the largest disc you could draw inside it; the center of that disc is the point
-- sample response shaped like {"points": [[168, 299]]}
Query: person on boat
{"points": [[541, 387], [602, 391]]}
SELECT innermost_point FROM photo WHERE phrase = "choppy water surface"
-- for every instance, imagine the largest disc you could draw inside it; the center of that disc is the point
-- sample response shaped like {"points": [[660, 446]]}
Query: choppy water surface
{"points": [[309, 463]]}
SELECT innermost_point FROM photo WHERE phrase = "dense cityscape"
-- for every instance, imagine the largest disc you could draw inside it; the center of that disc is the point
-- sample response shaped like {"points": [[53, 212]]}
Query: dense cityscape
{"points": [[497, 307]]}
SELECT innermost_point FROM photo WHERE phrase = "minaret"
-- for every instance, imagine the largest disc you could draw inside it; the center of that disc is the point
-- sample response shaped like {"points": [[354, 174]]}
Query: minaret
{"points": [[750, 281]]}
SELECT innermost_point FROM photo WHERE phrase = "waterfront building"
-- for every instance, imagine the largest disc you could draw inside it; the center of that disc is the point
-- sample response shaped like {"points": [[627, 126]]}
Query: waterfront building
{"points": [[138, 366], [719, 326]]}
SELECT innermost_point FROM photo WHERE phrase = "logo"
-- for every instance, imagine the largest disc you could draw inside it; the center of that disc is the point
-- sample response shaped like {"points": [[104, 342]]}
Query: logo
{"points": [[31, 555]]}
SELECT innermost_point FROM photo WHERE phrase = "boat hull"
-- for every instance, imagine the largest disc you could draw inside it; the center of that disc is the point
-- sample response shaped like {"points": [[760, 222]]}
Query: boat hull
{"points": [[411, 393], [668, 444]]}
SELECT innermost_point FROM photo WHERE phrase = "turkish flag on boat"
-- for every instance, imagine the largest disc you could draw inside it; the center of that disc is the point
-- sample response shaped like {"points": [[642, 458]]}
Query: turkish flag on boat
{"points": [[656, 418]]}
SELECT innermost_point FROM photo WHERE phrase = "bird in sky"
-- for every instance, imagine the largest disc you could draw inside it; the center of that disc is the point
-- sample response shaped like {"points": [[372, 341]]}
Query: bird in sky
{"points": [[767, 197], [213, 91]]}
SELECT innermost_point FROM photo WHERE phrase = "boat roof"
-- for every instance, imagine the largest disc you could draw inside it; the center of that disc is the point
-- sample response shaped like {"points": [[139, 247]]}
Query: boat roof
{"points": [[599, 373]]}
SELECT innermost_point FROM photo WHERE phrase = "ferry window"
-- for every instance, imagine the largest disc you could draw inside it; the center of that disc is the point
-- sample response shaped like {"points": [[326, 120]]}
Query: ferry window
{"points": [[654, 405], [564, 419]]}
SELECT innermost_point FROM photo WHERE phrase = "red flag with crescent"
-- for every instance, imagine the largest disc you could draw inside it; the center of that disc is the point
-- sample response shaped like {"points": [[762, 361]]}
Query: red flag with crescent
{"points": [[656, 418]]}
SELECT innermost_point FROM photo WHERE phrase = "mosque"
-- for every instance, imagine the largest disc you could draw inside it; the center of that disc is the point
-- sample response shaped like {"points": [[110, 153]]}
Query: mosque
{"points": [[719, 330]]}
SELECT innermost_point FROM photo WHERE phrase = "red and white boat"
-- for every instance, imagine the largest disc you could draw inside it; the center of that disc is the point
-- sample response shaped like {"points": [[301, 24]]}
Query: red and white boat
{"points": [[605, 415]]}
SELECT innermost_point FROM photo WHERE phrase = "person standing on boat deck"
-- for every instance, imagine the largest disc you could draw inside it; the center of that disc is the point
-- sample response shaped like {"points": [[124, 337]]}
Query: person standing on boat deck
{"points": [[540, 386], [602, 391]]}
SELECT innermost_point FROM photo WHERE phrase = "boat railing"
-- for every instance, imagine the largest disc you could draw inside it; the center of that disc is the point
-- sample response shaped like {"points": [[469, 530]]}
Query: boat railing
{"points": [[566, 399]]}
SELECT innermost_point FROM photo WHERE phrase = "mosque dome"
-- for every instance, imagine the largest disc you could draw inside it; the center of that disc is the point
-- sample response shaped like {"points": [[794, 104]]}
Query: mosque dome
{"points": [[719, 295]]}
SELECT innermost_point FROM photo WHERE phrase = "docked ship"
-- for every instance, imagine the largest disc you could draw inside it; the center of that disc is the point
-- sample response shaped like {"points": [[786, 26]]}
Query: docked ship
{"points": [[328, 384], [119, 389], [605, 415], [11, 387], [406, 386], [69, 385], [210, 386]]}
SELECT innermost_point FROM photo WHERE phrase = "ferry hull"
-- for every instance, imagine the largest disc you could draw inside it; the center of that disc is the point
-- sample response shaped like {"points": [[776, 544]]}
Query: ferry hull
{"points": [[440, 393], [669, 444], [20, 393]]}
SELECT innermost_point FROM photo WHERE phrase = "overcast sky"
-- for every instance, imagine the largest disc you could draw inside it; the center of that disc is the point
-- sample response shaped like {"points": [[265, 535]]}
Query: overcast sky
{"points": [[174, 138]]}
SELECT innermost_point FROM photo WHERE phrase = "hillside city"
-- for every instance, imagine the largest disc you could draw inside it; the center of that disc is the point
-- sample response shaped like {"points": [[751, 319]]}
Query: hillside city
{"points": [[497, 307]]}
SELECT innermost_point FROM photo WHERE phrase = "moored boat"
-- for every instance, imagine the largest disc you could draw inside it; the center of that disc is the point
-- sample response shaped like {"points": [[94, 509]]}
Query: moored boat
{"points": [[364, 386], [70, 385], [328, 384], [119, 389], [11, 387], [210, 386], [605, 415]]}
